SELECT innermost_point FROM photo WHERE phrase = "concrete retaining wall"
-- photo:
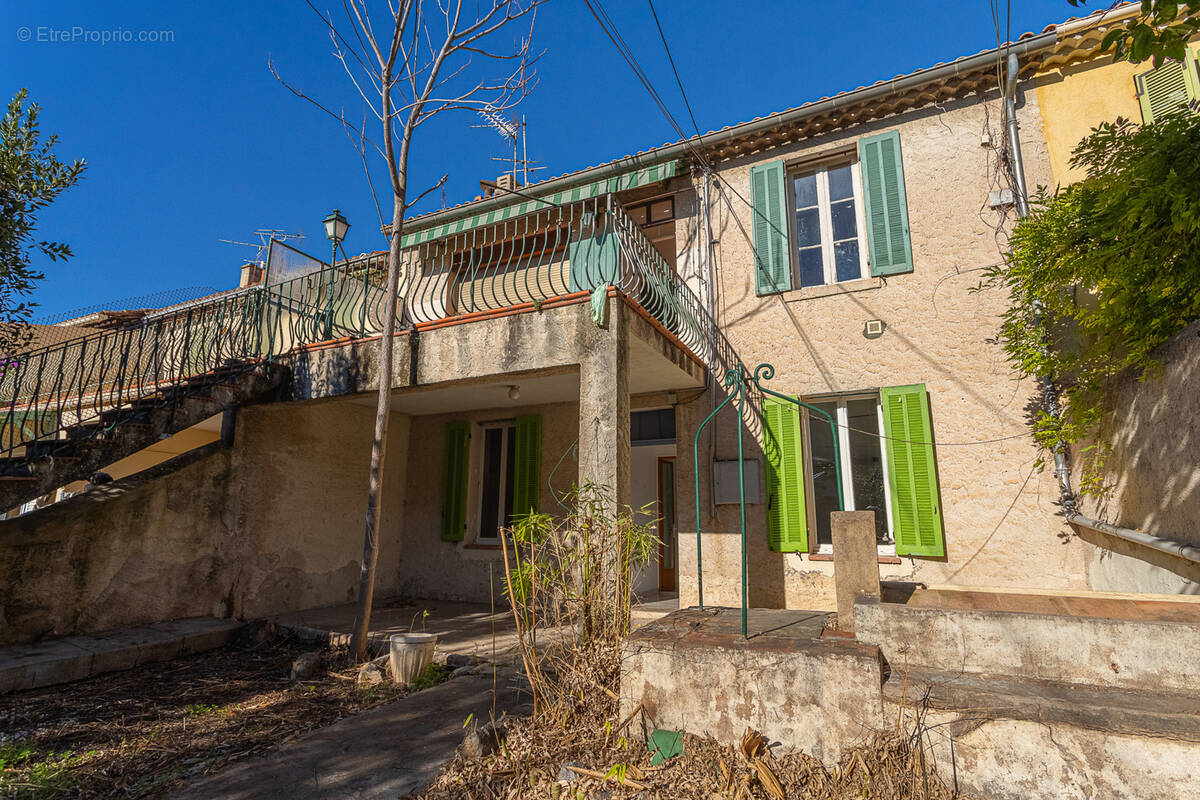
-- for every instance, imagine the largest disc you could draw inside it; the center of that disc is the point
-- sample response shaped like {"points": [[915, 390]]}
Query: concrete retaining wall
{"points": [[273, 523], [1006, 759], [818, 696], [1153, 656], [1153, 475]]}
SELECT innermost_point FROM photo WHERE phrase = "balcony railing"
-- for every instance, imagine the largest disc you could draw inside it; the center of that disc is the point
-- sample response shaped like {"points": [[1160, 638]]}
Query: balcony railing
{"points": [[557, 252]]}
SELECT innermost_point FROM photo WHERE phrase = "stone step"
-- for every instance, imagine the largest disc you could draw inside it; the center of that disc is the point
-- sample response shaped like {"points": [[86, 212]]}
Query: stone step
{"points": [[979, 698], [74, 658]]}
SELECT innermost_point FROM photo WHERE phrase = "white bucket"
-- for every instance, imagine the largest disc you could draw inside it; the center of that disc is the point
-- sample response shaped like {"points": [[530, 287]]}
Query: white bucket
{"points": [[409, 654]]}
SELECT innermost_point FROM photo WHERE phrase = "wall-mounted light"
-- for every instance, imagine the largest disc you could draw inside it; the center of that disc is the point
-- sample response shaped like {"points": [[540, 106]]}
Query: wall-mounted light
{"points": [[514, 392]]}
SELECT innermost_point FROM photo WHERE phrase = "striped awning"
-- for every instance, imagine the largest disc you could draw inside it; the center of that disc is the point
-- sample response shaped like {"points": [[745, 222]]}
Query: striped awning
{"points": [[618, 183]]}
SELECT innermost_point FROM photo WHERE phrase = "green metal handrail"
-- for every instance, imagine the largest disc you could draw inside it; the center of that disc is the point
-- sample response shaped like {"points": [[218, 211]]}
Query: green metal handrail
{"points": [[738, 380]]}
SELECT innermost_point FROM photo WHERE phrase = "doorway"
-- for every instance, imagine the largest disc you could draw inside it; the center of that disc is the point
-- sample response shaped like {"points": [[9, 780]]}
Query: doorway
{"points": [[668, 534]]}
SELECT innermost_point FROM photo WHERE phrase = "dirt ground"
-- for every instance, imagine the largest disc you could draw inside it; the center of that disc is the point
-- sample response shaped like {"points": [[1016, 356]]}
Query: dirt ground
{"points": [[140, 732]]}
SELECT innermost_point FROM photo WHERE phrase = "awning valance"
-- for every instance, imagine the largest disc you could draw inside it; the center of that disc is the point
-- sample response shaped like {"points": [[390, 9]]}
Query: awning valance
{"points": [[617, 183]]}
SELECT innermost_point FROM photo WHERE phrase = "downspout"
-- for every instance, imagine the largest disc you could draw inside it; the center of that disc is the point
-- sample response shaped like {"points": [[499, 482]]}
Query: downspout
{"points": [[1062, 470]]}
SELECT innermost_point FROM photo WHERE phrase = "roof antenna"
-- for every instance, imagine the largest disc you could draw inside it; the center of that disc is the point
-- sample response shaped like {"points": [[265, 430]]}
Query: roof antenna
{"points": [[265, 235], [513, 132]]}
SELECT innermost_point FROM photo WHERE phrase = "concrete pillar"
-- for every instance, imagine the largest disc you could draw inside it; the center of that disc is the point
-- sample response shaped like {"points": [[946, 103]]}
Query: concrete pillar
{"points": [[855, 561], [604, 407]]}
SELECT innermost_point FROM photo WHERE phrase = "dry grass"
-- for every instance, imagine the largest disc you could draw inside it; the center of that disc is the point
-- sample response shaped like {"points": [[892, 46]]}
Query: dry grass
{"points": [[140, 732], [608, 762], [569, 583]]}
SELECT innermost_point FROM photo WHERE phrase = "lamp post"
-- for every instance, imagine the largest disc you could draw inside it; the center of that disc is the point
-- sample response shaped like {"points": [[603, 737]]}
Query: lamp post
{"points": [[335, 231]]}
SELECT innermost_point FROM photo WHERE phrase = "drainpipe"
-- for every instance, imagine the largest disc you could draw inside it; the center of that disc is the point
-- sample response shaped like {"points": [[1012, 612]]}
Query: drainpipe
{"points": [[1062, 470]]}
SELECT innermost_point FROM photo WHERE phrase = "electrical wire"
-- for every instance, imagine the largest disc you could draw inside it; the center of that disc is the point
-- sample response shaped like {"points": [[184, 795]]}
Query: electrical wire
{"points": [[606, 24], [678, 82]]}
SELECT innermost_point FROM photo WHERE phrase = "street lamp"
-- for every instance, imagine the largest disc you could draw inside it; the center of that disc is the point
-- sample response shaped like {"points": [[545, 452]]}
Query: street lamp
{"points": [[335, 231]]}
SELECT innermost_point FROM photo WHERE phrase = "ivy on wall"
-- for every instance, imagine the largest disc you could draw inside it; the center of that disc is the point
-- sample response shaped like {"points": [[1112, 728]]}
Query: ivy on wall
{"points": [[1104, 271]]}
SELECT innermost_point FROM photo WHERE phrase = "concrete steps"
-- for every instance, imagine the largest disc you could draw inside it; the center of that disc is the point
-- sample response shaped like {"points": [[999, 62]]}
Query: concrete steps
{"points": [[73, 658], [978, 698]]}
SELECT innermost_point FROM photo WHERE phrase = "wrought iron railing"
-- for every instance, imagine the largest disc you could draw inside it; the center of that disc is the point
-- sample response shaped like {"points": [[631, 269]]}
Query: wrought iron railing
{"points": [[544, 255]]}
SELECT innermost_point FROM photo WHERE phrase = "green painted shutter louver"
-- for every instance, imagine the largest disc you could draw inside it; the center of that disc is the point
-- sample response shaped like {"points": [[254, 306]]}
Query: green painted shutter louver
{"points": [[886, 206], [912, 471], [1168, 88], [772, 254], [787, 517], [527, 471], [454, 481]]}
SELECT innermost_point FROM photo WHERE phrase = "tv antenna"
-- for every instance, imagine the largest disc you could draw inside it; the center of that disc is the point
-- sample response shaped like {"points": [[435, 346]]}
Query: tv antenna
{"points": [[514, 133], [265, 235]]}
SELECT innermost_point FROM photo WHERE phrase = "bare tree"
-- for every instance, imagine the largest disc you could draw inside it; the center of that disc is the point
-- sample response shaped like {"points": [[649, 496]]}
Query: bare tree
{"points": [[422, 66]]}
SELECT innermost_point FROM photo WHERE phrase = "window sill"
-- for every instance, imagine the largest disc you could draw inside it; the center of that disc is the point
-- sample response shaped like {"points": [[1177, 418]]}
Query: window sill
{"points": [[883, 559], [477, 546], [829, 290]]}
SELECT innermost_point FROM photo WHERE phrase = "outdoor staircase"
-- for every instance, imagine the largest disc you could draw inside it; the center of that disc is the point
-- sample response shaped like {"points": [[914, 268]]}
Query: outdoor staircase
{"points": [[73, 408], [82, 450]]}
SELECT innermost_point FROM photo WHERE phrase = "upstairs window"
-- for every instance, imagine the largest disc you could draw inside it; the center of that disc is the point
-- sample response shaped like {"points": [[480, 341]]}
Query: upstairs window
{"points": [[827, 225], [1171, 87]]}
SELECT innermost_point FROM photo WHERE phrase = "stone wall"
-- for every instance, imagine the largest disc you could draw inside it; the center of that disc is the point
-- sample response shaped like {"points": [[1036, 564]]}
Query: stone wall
{"points": [[1000, 520], [271, 524], [1153, 473]]}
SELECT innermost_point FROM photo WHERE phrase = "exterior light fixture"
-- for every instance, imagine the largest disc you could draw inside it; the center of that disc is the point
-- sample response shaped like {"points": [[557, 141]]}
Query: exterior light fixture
{"points": [[514, 392], [336, 227]]}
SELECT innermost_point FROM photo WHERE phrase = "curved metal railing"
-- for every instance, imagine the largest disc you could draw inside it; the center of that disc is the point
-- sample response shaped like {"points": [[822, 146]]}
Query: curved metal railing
{"points": [[551, 253]]}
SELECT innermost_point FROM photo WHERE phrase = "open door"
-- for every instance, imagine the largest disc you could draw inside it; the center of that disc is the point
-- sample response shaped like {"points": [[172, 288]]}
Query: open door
{"points": [[668, 553]]}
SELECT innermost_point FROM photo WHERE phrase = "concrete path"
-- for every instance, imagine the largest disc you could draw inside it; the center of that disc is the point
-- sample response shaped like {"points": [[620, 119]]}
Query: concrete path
{"points": [[387, 752]]}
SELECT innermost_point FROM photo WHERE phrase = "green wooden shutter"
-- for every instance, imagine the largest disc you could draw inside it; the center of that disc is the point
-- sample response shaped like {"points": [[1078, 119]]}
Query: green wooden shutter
{"points": [[1165, 89], [454, 481], [886, 206], [787, 517], [527, 471], [772, 254], [912, 471]]}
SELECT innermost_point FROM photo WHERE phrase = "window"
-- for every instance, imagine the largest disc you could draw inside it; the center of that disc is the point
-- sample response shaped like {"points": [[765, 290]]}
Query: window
{"points": [[831, 223], [1168, 88], [652, 427], [864, 465], [497, 475], [827, 225], [888, 465]]}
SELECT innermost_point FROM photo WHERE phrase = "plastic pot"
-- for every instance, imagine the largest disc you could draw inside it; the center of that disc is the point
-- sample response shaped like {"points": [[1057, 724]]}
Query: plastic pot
{"points": [[409, 654]]}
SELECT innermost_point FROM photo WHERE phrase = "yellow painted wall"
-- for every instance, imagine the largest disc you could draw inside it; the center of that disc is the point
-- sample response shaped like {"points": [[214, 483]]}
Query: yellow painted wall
{"points": [[1078, 97]]}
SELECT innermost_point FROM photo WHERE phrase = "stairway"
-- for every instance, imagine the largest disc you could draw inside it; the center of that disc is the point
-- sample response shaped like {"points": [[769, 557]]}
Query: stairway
{"points": [[75, 407], [114, 434]]}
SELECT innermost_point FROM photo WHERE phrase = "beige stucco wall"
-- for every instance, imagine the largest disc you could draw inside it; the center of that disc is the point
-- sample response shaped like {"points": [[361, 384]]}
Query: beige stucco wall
{"points": [[431, 568], [998, 511], [1077, 97]]}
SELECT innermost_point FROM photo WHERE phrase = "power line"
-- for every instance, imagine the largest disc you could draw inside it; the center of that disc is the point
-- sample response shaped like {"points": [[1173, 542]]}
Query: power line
{"points": [[678, 82]]}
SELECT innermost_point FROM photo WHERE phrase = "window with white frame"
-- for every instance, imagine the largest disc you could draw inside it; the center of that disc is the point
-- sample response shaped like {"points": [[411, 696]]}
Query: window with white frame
{"points": [[497, 469], [859, 420], [828, 229]]}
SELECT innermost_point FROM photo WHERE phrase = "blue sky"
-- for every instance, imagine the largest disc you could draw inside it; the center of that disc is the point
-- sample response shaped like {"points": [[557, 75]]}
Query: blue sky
{"points": [[192, 141]]}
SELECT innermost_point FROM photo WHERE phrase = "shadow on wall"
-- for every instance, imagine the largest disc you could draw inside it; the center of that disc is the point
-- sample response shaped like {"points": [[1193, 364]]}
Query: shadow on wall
{"points": [[340, 370], [1154, 467]]}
